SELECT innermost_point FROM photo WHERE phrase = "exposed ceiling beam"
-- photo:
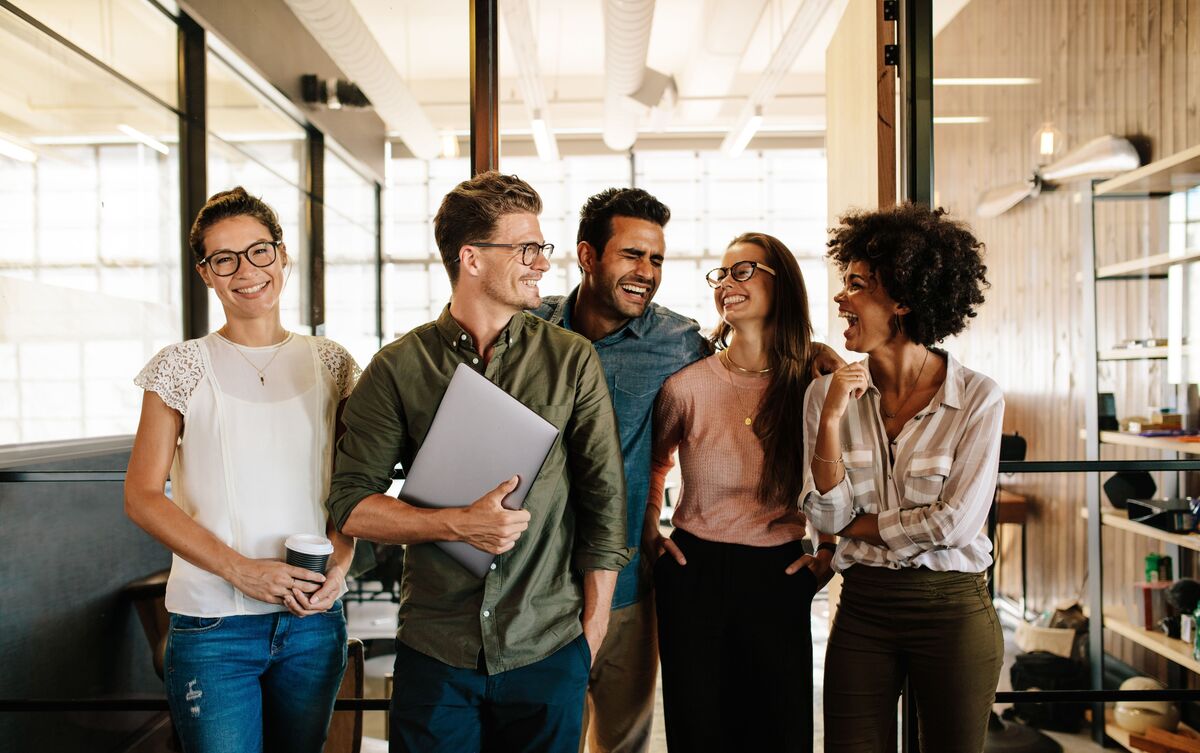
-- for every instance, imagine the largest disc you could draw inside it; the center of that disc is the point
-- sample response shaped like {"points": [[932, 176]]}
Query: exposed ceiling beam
{"points": [[519, 24], [797, 35], [713, 66], [338, 28]]}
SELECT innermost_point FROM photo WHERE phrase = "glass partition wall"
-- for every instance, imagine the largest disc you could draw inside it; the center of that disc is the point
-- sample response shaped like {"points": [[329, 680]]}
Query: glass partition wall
{"points": [[91, 269], [89, 196]]}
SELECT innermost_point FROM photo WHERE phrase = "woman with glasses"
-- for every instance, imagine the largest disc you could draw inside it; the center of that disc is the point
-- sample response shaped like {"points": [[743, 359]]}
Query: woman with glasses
{"points": [[243, 421], [733, 585], [901, 453]]}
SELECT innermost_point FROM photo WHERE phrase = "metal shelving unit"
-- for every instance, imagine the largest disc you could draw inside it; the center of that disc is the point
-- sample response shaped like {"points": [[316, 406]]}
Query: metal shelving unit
{"points": [[1178, 172]]}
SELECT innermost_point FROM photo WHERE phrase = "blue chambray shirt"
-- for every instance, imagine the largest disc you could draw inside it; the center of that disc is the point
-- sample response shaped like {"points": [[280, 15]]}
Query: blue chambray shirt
{"points": [[637, 359]]}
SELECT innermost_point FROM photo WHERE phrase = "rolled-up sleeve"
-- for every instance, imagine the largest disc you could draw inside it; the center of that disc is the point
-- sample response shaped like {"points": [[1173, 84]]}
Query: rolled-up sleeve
{"points": [[597, 474], [956, 518], [832, 511], [372, 443]]}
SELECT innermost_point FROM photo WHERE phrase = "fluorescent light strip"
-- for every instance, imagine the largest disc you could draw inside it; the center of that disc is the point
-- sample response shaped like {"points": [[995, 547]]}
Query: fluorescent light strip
{"points": [[19, 153], [739, 142], [986, 81], [546, 148], [149, 141], [960, 119], [678, 130], [95, 139]]}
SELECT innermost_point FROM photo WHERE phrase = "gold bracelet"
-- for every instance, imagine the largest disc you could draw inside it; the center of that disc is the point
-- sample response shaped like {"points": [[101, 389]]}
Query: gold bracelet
{"points": [[823, 460]]}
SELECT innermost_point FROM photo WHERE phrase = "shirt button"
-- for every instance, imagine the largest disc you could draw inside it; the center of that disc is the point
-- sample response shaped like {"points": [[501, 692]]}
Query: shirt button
{"points": [[462, 337], [474, 360], [487, 613], [493, 566]]}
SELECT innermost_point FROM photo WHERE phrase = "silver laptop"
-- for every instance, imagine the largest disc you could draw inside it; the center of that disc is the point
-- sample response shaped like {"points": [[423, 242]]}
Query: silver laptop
{"points": [[481, 436]]}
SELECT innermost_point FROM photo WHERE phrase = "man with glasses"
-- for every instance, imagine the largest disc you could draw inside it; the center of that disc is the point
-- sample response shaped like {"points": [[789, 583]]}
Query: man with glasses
{"points": [[620, 249], [499, 663]]}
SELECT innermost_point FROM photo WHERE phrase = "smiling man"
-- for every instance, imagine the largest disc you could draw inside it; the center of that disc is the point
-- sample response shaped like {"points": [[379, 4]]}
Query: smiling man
{"points": [[499, 663], [621, 249]]}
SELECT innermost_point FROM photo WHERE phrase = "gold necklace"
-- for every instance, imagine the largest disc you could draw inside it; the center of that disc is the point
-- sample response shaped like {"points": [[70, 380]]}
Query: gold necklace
{"points": [[729, 362], [911, 389], [261, 372], [748, 420]]}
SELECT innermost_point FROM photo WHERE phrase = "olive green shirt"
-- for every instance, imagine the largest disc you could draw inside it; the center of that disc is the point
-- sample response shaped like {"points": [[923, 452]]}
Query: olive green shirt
{"points": [[530, 604]]}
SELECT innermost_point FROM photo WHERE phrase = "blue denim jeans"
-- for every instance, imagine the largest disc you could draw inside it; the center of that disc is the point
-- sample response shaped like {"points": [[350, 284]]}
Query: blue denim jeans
{"points": [[253, 683]]}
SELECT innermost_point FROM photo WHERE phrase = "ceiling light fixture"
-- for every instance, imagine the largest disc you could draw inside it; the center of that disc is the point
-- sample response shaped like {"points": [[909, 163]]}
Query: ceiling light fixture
{"points": [[449, 145], [960, 119], [149, 141], [546, 148], [19, 153], [1048, 141], [987, 81], [734, 145]]}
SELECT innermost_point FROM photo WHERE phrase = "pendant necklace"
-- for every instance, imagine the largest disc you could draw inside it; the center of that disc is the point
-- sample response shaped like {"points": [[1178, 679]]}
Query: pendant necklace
{"points": [[724, 357], [262, 379], [911, 389]]}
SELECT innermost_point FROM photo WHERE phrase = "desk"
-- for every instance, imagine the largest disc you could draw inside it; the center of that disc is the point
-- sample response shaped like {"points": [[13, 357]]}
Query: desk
{"points": [[1010, 509]]}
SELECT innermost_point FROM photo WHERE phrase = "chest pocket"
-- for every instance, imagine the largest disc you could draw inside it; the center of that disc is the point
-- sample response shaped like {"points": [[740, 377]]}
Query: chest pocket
{"points": [[639, 387], [860, 470], [927, 474]]}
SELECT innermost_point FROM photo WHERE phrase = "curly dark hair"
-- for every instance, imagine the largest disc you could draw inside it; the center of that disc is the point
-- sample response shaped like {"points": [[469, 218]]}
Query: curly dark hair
{"points": [[925, 261], [596, 216], [236, 202]]}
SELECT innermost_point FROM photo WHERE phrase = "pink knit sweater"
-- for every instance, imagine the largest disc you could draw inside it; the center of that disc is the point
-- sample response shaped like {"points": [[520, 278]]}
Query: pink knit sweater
{"points": [[701, 411]]}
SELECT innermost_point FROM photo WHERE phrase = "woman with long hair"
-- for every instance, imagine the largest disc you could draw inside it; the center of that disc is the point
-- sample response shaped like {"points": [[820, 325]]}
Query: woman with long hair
{"points": [[242, 421], [733, 585], [901, 453]]}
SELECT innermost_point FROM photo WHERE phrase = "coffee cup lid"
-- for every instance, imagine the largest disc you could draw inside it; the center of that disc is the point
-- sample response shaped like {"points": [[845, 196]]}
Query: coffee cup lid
{"points": [[309, 543]]}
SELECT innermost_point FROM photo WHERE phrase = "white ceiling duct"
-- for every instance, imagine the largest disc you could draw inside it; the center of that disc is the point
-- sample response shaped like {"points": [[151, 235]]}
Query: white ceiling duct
{"points": [[798, 32], [627, 26], [529, 78], [338, 28]]}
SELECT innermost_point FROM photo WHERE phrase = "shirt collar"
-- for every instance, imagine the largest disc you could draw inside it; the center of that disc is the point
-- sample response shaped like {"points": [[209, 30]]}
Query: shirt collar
{"points": [[950, 393], [561, 315], [455, 336]]}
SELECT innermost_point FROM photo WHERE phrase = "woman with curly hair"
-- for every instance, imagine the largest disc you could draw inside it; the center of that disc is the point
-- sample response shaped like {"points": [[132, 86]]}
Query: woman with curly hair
{"points": [[733, 585], [901, 452]]}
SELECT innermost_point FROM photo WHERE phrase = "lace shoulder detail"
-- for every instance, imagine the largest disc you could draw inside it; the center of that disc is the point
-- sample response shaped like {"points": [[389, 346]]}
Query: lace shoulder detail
{"points": [[340, 364], [173, 374]]}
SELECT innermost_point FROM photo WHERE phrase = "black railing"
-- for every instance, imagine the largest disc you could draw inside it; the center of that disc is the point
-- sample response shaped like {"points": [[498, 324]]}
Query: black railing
{"points": [[1096, 697]]}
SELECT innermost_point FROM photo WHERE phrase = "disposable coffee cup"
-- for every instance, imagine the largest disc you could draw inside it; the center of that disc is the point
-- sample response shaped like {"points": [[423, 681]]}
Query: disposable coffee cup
{"points": [[308, 551]]}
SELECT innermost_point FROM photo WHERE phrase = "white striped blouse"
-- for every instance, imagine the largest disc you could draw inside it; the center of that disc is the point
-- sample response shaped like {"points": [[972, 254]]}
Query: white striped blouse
{"points": [[932, 491]]}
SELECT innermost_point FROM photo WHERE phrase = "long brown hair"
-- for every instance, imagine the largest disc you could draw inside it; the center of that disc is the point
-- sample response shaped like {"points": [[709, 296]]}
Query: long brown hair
{"points": [[779, 424]]}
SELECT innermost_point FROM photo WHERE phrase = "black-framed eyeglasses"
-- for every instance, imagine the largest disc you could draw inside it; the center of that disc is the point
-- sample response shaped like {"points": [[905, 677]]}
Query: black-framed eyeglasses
{"points": [[529, 251], [740, 271], [225, 263]]}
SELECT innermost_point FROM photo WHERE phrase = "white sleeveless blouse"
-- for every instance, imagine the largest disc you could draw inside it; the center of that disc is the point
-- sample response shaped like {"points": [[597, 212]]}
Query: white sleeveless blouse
{"points": [[254, 459]]}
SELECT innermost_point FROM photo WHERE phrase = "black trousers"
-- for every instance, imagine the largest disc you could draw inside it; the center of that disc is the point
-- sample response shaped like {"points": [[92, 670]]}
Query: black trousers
{"points": [[736, 647]]}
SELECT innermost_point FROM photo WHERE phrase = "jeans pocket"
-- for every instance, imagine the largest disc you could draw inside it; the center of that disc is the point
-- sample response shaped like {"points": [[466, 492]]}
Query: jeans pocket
{"points": [[585, 652], [187, 625], [337, 609]]}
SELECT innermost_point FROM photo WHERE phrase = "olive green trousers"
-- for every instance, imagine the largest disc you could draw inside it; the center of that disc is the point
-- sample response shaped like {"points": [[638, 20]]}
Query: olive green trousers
{"points": [[938, 631]]}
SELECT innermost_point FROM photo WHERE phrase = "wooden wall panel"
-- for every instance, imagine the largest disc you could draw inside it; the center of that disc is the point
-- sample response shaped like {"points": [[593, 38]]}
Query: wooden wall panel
{"points": [[1125, 67]]}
